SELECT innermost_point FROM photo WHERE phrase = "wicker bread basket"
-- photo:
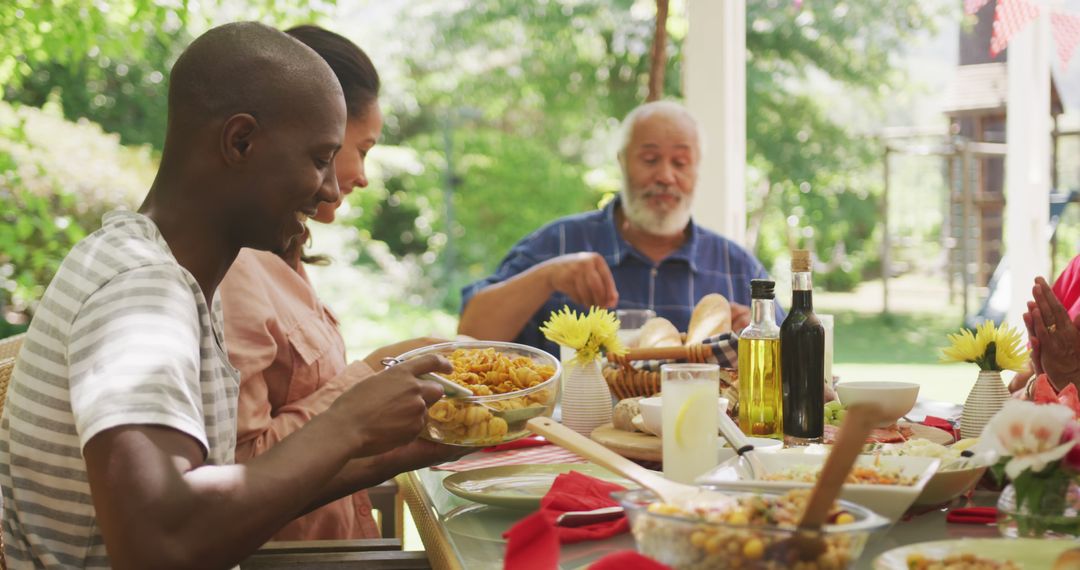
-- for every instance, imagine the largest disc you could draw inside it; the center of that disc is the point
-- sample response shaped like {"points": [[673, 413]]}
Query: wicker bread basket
{"points": [[625, 381]]}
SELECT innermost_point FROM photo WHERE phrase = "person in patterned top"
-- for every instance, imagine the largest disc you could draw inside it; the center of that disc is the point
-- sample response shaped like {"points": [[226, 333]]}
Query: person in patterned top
{"points": [[117, 440]]}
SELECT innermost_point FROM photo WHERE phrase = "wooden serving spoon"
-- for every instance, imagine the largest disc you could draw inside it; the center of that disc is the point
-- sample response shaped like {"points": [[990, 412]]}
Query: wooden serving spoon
{"points": [[807, 543], [668, 491]]}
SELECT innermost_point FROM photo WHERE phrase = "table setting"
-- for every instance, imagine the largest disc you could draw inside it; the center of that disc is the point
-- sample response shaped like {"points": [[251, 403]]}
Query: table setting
{"points": [[620, 493]]}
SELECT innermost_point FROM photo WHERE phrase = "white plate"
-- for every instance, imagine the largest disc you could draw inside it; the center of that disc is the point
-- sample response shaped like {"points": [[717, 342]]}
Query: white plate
{"points": [[889, 501], [1030, 553], [519, 486]]}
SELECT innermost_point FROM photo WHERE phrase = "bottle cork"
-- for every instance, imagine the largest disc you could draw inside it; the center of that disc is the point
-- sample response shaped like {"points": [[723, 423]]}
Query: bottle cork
{"points": [[800, 260]]}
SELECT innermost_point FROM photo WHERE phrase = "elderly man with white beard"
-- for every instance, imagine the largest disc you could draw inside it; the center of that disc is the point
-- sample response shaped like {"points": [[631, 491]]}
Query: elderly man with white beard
{"points": [[641, 251]]}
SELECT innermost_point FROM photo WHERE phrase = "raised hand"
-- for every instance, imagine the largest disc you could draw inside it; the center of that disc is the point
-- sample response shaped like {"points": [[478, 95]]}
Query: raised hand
{"points": [[1055, 337], [584, 277], [388, 409]]}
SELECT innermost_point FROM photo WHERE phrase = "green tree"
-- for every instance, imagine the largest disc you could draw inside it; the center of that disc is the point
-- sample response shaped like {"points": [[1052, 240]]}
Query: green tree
{"points": [[109, 61], [561, 74]]}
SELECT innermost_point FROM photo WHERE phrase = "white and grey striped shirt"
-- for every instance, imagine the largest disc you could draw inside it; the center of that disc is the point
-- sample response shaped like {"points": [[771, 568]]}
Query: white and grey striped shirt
{"points": [[122, 336]]}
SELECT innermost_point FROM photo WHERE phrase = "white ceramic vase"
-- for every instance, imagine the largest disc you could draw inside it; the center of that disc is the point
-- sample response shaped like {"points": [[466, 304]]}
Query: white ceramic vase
{"points": [[987, 397], [586, 399]]}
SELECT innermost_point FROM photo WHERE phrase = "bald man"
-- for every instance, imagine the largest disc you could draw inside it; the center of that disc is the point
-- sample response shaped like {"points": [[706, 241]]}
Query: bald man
{"points": [[641, 251], [116, 444]]}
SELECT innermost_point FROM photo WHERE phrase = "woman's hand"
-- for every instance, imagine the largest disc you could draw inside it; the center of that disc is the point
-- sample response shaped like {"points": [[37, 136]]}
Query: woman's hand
{"points": [[374, 360], [1055, 338]]}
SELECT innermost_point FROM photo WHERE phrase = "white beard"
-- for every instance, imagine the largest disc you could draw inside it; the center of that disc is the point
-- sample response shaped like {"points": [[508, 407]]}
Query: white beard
{"points": [[660, 223]]}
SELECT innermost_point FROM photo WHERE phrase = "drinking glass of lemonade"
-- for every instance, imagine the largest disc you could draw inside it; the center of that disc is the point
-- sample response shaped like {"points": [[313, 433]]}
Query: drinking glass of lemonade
{"points": [[630, 322], [691, 420]]}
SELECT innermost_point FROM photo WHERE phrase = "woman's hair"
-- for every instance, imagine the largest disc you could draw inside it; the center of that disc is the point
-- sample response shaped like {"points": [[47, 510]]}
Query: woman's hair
{"points": [[354, 70], [357, 76]]}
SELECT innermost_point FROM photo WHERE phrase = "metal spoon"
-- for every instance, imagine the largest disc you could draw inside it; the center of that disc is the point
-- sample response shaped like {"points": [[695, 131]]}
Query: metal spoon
{"points": [[742, 446]]}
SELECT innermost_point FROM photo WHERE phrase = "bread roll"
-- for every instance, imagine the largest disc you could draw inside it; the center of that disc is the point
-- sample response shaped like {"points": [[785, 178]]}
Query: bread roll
{"points": [[711, 316], [657, 332], [623, 416]]}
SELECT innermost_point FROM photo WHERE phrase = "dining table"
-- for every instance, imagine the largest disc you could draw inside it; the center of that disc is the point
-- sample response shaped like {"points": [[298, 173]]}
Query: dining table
{"points": [[461, 534]]}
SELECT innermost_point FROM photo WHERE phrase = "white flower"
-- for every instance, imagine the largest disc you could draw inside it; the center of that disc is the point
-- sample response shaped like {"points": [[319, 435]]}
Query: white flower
{"points": [[1028, 433]]}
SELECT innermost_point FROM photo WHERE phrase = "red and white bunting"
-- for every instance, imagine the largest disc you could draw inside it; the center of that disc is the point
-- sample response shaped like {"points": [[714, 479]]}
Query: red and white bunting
{"points": [[972, 6], [1066, 35], [1010, 16]]}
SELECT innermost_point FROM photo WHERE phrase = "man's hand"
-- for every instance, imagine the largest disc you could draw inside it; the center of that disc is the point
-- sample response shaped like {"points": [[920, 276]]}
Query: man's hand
{"points": [[374, 360], [740, 317], [386, 410], [1055, 338], [584, 277], [422, 453]]}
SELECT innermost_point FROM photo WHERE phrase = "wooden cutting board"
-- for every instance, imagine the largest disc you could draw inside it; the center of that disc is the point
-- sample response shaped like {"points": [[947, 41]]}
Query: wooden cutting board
{"points": [[648, 447], [632, 445], [933, 434]]}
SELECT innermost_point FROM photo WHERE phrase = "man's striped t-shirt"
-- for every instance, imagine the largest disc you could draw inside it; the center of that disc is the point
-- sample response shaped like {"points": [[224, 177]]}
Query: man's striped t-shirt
{"points": [[122, 336]]}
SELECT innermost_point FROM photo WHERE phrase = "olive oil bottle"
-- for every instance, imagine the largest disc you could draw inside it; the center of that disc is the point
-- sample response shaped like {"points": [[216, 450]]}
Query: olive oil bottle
{"points": [[802, 349], [760, 395]]}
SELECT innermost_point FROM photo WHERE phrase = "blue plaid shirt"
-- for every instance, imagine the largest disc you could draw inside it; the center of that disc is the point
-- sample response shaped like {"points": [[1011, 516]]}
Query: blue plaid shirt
{"points": [[706, 263]]}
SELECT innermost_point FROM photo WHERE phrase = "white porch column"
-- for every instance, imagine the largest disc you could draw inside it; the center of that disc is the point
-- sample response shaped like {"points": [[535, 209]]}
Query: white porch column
{"points": [[714, 77], [1027, 164]]}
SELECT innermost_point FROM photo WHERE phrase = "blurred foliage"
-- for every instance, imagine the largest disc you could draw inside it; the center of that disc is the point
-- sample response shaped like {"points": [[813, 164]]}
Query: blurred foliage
{"points": [[57, 179], [508, 109], [543, 86], [109, 61]]}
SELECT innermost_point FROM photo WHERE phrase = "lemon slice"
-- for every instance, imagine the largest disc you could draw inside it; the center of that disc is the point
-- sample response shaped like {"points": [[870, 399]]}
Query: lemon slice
{"points": [[965, 444], [680, 419]]}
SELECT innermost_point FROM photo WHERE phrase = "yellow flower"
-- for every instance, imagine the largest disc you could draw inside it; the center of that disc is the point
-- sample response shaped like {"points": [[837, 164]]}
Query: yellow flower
{"points": [[588, 334], [963, 347], [992, 348], [1011, 353]]}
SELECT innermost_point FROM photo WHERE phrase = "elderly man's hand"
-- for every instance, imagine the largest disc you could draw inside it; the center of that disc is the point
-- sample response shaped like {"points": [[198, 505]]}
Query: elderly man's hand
{"points": [[1055, 338], [740, 317], [584, 277]]}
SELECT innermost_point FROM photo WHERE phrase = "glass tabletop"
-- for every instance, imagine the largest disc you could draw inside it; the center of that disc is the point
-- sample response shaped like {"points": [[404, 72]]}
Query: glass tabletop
{"points": [[458, 533], [472, 533]]}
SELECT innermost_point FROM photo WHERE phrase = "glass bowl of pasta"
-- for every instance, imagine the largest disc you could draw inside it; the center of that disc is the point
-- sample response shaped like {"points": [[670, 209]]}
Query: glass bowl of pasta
{"points": [[511, 384]]}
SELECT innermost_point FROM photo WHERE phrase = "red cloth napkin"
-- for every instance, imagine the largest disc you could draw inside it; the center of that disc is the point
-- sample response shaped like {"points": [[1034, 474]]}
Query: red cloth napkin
{"points": [[1045, 393], [972, 515], [942, 424], [531, 441], [534, 541], [627, 560]]}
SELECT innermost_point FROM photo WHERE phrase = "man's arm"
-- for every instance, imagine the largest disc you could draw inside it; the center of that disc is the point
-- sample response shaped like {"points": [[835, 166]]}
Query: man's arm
{"points": [[159, 506], [499, 311], [368, 472]]}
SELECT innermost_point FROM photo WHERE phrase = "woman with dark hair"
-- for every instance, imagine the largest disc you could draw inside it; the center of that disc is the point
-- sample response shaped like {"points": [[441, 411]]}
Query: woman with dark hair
{"points": [[283, 340]]}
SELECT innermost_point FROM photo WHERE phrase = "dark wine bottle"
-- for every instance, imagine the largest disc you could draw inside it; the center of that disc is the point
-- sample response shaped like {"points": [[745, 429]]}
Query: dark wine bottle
{"points": [[802, 357]]}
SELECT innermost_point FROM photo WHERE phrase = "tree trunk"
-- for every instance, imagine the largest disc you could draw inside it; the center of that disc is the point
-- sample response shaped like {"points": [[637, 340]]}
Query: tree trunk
{"points": [[659, 53]]}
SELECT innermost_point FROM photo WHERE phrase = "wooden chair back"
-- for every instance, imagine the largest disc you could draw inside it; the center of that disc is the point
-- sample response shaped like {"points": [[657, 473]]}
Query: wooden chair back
{"points": [[7, 366], [9, 347]]}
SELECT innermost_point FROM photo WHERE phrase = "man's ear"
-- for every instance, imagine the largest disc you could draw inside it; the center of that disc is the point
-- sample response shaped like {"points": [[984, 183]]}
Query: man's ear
{"points": [[236, 137]]}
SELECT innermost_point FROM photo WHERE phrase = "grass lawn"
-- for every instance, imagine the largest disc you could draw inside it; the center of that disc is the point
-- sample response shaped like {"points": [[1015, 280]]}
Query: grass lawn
{"points": [[903, 345], [900, 347]]}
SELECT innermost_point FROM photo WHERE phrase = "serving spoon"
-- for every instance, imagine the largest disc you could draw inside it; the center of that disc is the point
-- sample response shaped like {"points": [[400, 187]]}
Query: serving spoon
{"points": [[807, 543], [668, 491], [515, 418], [742, 446]]}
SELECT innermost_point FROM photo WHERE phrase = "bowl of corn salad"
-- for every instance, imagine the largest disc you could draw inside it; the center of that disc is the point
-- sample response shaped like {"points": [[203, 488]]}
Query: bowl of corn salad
{"points": [[752, 533]]}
